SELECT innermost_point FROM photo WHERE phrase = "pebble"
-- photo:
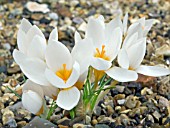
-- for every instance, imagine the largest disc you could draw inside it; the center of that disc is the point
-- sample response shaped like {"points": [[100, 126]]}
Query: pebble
{"points": [[131, 101], [97, 111], [7, 115], [101, 126], [120, 88], [36, 7], [64, 121], [21, 124], [121, 102]]}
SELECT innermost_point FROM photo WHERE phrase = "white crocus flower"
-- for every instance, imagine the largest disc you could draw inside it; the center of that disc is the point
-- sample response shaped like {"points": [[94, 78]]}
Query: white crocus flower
{"points": [[142, 26], [62, 72], [82, 52], [32, 97], [106, 39], [31, 54], [130, 64]]}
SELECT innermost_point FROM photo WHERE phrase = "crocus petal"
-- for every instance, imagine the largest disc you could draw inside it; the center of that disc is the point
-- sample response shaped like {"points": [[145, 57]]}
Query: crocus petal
{"points": [[54, 79], [125, 21], [82, 52], [34, 30], [37, 48], [153, 71], [77, 37], [130, 40], [25, 25], [100, 64], [32, 101], [95, 31], [122, 75], [123, 59], [53, 35], [100, 17], [116, 22], [34, 69], [135, 27], [114, 44], [148, 24], [18, 56], [29, 85], [69, 98], [141, 21], [136, 53], [74, 75], [22, 41], [50, 91], [56, 55]]}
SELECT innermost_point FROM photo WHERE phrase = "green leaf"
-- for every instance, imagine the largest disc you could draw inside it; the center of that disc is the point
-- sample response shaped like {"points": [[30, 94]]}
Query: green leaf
{"points": [[72, 114], [14, 92]]}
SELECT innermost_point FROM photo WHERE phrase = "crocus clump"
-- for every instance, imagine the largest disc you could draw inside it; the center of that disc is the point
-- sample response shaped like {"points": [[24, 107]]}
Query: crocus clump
{"points": [[108, 49]]}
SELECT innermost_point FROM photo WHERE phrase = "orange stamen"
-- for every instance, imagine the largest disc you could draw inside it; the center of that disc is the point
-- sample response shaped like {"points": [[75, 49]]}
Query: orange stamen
{"points": [[101, 54], [64, 73]]}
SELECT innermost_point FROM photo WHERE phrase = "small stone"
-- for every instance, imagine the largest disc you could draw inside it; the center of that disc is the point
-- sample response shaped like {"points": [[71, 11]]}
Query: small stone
{"points": [[117, 108], [110, 110], [21, 124], [13, 70], [82, 27], [120, 88], [77, 20], [121, 102], [101, 126], [81, 126], [164, 89], [53, 16], [7, 115], [38, 122], [146, 90], [157, 115], [35, 7], [97, 111], [64, 121], [94, 122], [131, 101], [88, 119], [11, 123]]}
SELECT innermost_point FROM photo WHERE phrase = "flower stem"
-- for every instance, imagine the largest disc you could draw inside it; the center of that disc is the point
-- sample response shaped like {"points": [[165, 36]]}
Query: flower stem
{"points": [[52, 108]]}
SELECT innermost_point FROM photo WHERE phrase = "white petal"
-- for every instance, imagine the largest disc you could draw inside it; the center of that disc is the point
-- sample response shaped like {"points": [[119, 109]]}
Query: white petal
{"points": [[34, 30], [153, 71], [136, 53], [122, 75], [100, 17], [18, 56], [77, 37], [130, 40], [25, 25], [32, 101], [54, 79], [50, 91], [100, 64], [83, 76], [95, 31], [34, 69], [29, 85], [135, 27], [125, 21], [148, 24], [22, 41], [123, 59], [116, 22], [53, 35], [37, 47], [82, 52], [69, 98], [114, 44], [141, 21], [56, 55], [74, 75]]}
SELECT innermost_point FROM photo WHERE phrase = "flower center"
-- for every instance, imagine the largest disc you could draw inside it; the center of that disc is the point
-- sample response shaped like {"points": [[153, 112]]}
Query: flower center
{"points": [[64, 73], [130, 68], [102, 53]]}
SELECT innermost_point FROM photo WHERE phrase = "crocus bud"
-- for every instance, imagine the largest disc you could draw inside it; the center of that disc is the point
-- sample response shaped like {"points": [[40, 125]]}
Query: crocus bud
{"points": [[32, 101]]}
